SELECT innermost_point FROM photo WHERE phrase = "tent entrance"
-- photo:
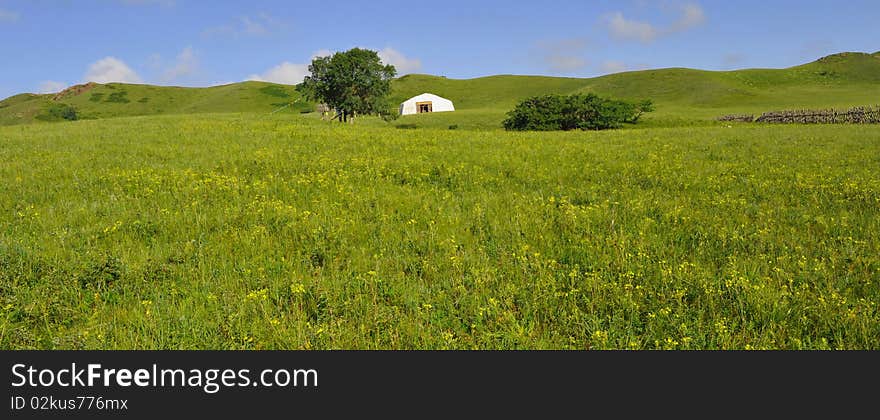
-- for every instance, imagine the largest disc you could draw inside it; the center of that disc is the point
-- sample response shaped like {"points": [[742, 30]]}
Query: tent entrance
{"points": [[424, 107]]}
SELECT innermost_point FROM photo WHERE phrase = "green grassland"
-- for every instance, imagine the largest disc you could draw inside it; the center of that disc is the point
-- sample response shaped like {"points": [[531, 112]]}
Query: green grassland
{"points": [[196, 218], [682, 96], [122, 100], [246, 231]]}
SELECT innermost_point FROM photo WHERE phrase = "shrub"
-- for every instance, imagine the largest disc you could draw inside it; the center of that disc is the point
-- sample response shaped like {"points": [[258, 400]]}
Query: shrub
{"points": [[275, 90], [118, 97], [58, 112], [582, 112], [389, 115]]}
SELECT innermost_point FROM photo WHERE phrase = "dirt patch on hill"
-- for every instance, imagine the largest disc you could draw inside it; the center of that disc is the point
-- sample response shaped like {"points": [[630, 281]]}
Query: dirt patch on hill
{"points": [[74, 91]]}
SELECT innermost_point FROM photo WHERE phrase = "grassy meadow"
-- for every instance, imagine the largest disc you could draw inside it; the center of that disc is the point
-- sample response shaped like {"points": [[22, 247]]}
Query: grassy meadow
{"points": [[247, 231]]}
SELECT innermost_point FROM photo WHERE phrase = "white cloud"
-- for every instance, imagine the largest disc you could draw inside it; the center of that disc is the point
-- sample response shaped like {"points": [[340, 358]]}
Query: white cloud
{"points": [[624, 29], [564, 56], [8, 16], [51, 86], [322, 53], [186, 64], [111, 69], [402, 63], [262, 24], [566, 64], [288, 73], [285, 73], [692, 16], [253, 27], [293, 73], [612, 66], [621, 28]]}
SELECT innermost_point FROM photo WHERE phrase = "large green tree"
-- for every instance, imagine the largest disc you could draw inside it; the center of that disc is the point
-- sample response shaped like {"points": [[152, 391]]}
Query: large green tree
{"points": [[351, 82]]}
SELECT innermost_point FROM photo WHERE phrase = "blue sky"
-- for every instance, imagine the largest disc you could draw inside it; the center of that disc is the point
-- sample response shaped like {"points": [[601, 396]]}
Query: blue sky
{"points": [[50, 44]]}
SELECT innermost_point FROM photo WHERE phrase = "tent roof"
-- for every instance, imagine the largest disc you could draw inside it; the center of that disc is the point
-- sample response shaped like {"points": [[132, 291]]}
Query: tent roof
{"points": [[425, 96]]}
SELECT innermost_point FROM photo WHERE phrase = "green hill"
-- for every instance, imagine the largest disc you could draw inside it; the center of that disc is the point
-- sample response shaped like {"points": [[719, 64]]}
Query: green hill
{"points": [[839, 80], [484, 92], [683, 87], [119, 100]]}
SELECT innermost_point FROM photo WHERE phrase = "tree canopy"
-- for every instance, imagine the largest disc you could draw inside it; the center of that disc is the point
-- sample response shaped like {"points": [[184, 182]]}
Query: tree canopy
{"points": [[584, 112], [352, 82]]}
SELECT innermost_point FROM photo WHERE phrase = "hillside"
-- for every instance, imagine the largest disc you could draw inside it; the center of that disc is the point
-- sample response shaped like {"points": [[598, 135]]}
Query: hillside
{"points": [[684, 87], [839, 80], [119, 100]]}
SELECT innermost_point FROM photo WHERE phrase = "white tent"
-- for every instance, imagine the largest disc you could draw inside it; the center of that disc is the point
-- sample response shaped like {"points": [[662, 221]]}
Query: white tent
{"points": [[426, 102]]}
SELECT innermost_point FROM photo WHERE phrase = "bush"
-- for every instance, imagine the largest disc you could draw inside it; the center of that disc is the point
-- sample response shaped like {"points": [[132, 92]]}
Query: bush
{"points": [[389, 115], [58, 112], [581, 112], [118, 97], [276, 91]]}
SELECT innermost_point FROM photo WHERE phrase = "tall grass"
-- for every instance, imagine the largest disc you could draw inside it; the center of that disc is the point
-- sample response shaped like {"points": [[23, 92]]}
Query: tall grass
{"points": [[230, 232]]}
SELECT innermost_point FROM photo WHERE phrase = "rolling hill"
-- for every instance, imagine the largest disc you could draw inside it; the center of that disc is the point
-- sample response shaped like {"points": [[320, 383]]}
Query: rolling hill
{"points": [[94, 100], [839, 80]]}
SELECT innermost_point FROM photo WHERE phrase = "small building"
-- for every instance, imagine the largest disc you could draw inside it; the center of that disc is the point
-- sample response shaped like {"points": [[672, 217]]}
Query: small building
{"points": [[424, 103]]}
